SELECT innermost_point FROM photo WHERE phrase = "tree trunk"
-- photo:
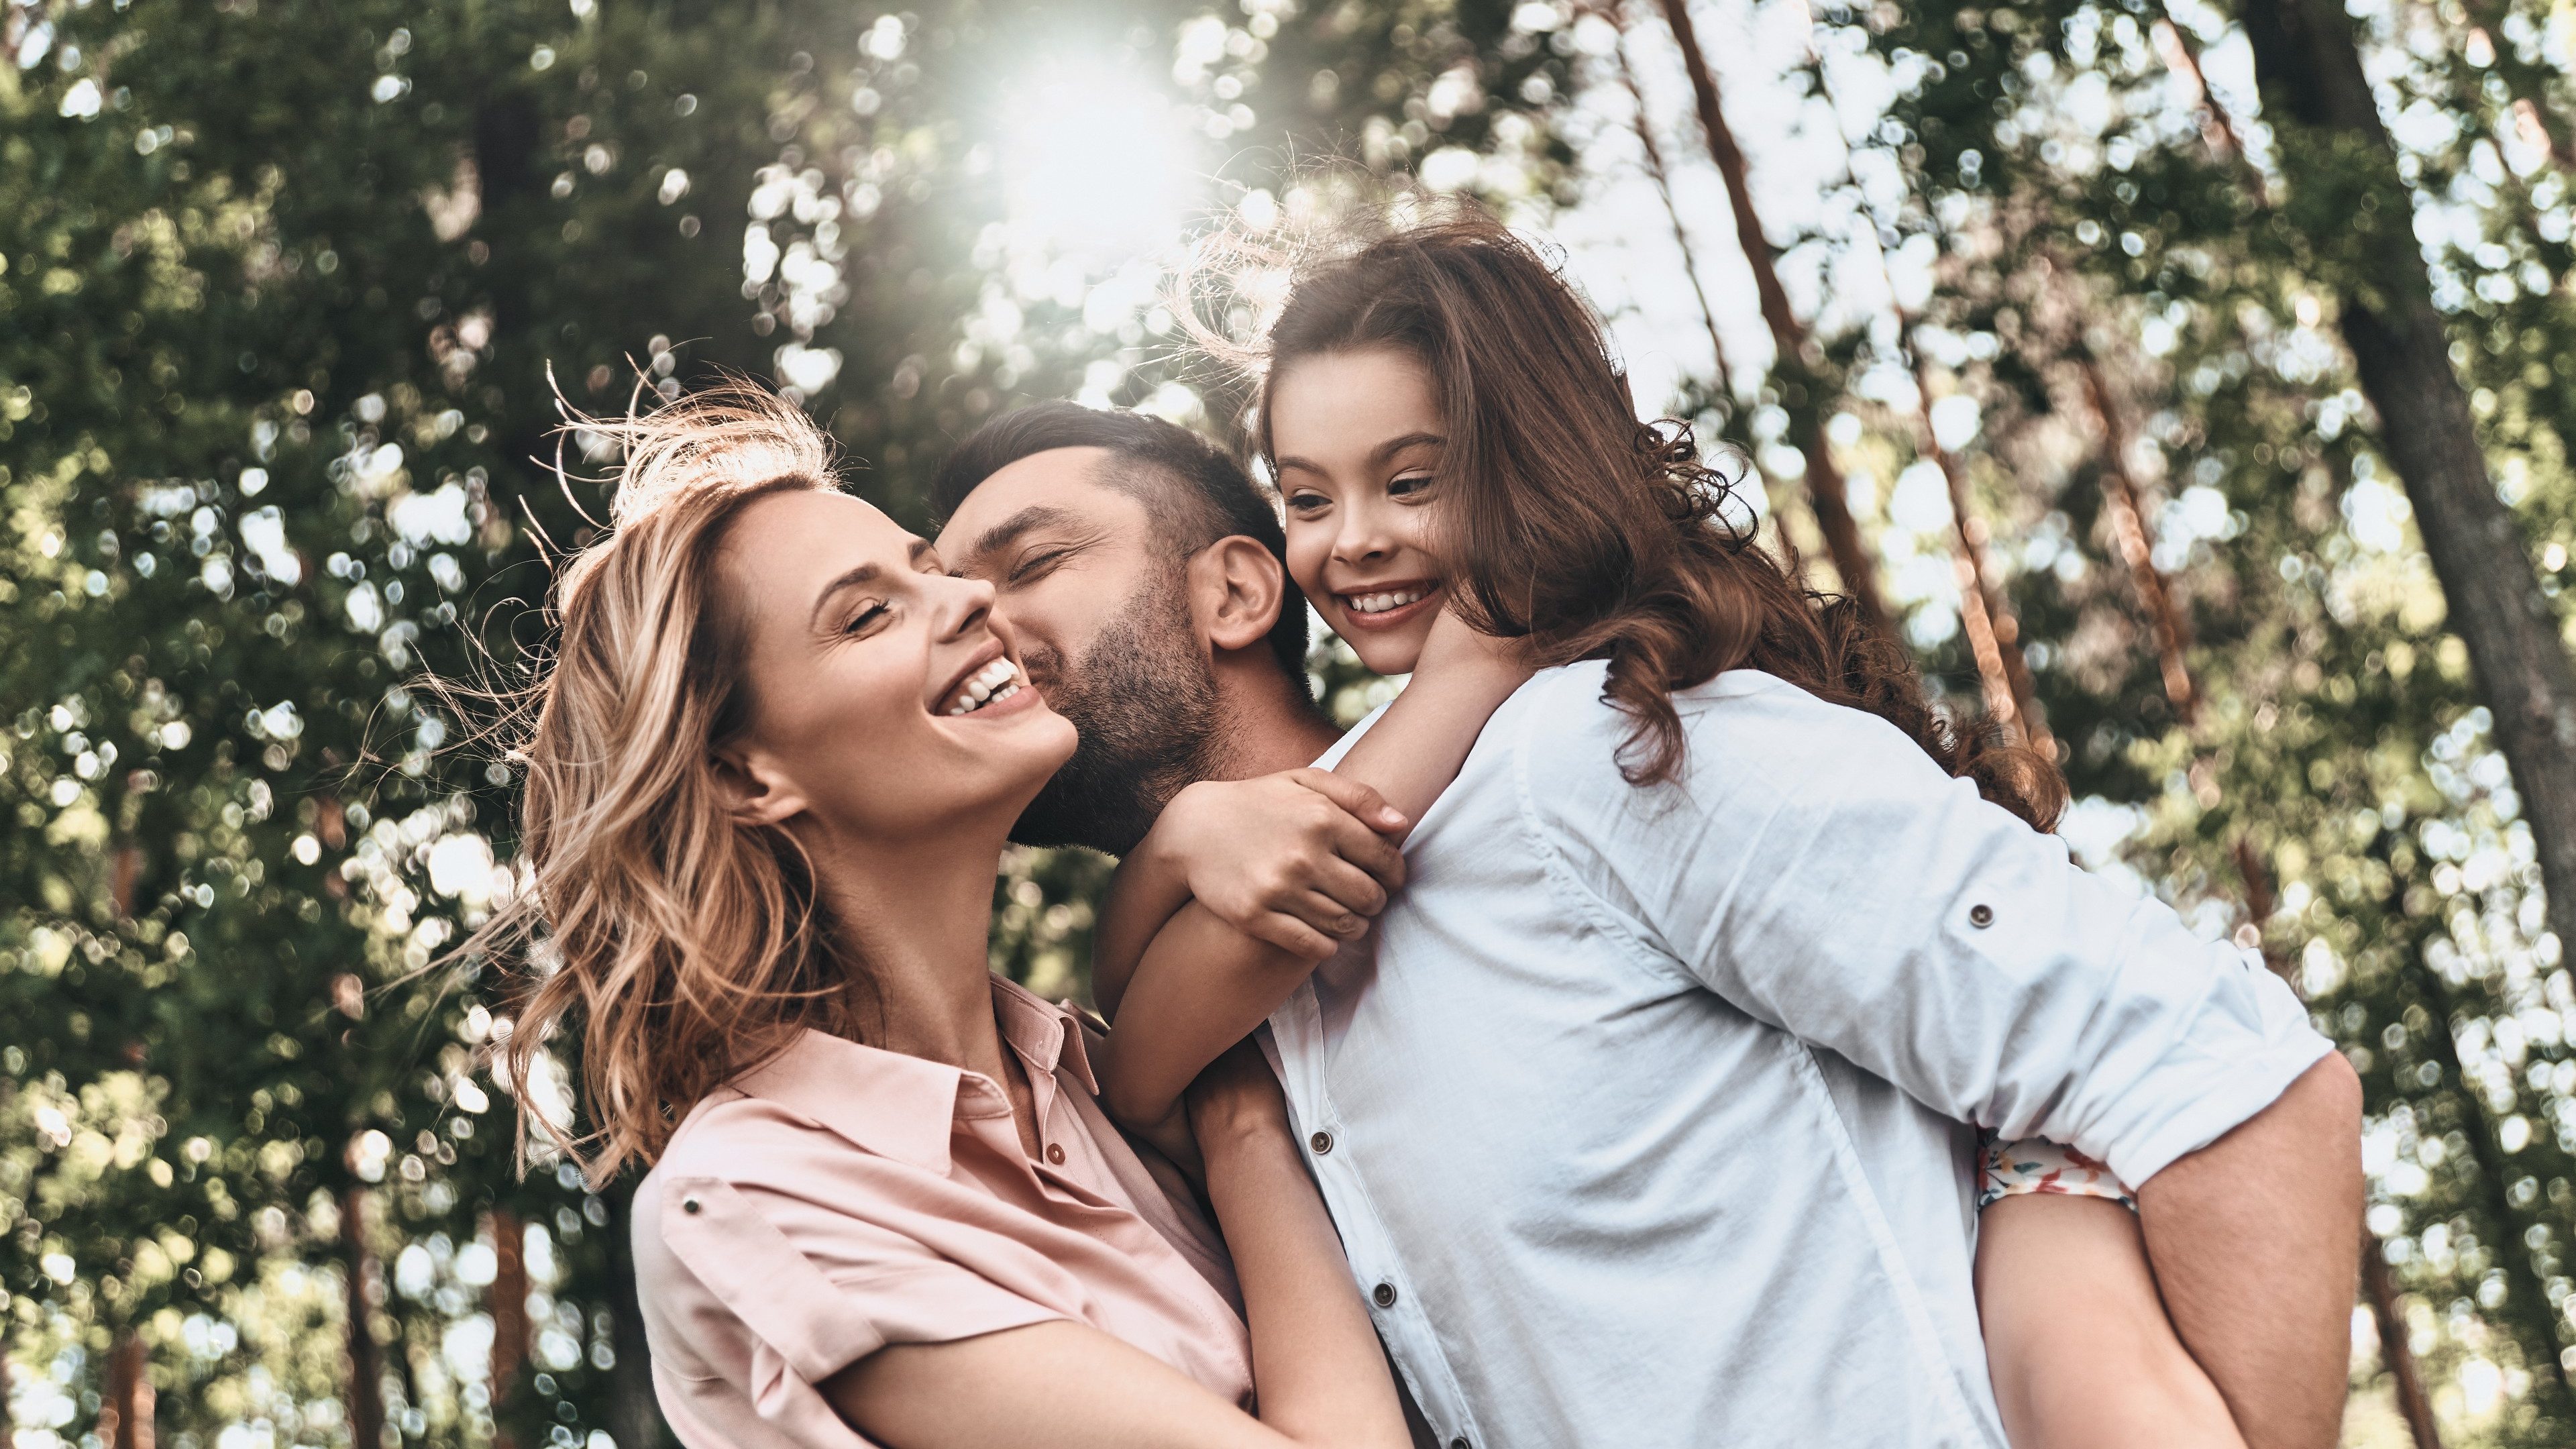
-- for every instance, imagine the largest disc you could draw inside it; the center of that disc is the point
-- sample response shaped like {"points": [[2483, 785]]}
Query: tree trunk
{"points": [[634, 1415], [2525, 82], [509, 1306], [366, 1356], [1826, 493], [1985, 610], [2137, 545], [125, 1420], [2216, 127], [2311, 74], [2394, 1348], [1664, 189]]}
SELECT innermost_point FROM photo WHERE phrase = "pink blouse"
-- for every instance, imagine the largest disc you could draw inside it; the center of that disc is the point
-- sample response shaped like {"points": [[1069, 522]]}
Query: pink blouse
{"points": [[841, 1198]]}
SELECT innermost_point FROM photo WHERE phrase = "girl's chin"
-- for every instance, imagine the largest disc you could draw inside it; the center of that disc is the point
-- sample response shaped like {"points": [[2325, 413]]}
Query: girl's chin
{"points": [[1391, 657]]}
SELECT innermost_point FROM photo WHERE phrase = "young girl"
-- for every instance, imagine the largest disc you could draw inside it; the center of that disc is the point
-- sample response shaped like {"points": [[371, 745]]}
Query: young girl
{"points": [[1468, 523]]}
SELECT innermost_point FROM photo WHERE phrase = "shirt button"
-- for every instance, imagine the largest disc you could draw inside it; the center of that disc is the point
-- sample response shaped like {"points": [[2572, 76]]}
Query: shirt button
{"points": [[1055, 1153], [1322, 1142], [688, 1205], [1460, 1443], [1384, 1295], [1981, 916]]}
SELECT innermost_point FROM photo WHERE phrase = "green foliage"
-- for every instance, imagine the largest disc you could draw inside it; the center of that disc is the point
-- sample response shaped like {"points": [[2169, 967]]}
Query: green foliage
{"points": [[288, 292]]}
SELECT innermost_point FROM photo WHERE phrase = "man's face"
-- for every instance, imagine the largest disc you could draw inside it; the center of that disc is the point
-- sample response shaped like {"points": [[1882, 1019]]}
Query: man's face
{"points": [[1094, 595]]}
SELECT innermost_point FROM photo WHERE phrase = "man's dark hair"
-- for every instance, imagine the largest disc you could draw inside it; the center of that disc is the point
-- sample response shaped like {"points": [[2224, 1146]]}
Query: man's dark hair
{"points": [[1194, 494]]}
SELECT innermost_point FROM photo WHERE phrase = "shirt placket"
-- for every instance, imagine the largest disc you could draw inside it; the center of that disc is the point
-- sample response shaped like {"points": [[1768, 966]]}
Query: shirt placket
{"points": [[1392, 1304]]}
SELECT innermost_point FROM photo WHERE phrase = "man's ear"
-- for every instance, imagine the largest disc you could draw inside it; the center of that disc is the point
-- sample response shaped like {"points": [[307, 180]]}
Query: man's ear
{"points": [[754, 792], [1236, 587]]}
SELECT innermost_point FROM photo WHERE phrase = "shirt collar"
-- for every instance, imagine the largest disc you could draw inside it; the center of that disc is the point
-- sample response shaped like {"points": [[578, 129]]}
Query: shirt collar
{"points": [[905, 1107]]}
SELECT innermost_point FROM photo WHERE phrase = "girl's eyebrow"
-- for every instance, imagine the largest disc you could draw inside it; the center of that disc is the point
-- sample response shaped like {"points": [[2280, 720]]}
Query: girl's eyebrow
{"points": [[1377, 457], [1383, 452]]}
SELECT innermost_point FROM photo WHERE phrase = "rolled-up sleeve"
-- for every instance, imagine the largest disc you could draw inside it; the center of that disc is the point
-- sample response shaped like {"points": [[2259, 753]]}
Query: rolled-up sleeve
{"points": [[1816, 869], [779, 1310]]}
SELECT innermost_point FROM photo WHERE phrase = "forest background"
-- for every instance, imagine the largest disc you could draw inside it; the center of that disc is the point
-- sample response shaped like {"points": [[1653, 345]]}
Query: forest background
{"points": [[2187, 385]]}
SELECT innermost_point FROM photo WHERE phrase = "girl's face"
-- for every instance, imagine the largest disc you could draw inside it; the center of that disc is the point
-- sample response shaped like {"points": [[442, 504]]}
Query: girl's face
{"points": [[884, 707], [1356, 438]]}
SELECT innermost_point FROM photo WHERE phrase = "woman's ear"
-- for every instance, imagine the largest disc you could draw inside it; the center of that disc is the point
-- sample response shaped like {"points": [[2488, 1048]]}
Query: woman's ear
{"points": [[754, 792], [1236, 587]]}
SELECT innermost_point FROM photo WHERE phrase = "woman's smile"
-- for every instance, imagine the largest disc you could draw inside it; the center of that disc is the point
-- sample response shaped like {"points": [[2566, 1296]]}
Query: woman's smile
{"points": [[991, 688]]}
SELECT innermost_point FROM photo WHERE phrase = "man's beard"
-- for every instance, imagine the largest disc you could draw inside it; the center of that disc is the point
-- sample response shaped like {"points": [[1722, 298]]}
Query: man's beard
{"points": [[1144, 704]]}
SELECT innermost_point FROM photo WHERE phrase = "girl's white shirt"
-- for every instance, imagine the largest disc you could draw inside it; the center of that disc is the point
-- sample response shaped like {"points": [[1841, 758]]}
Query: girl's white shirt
{"points": [[1645, 1113]]}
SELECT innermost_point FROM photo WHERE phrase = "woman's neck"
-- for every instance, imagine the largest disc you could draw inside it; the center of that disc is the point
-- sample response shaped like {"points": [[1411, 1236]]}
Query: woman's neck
{"points": [[916, 921]]}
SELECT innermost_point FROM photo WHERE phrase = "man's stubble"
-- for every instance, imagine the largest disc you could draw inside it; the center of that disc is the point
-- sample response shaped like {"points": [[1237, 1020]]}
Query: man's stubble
{"points": [[1144, 703]]}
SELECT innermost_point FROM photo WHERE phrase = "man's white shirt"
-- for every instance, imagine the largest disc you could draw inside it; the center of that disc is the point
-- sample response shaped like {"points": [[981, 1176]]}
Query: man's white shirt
{"points": [[1640, 1111]]}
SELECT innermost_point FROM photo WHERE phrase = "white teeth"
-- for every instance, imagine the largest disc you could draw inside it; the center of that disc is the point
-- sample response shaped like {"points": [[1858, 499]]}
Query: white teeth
{"points": [[1380, 603], [997, 680]]}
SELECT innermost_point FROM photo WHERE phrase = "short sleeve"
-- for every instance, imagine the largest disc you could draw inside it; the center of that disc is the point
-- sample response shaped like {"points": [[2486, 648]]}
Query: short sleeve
{"points": [[831, 1289], [1819, 871]]}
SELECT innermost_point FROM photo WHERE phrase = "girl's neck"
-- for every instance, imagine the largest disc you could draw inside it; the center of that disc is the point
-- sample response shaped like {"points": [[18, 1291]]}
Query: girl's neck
{"points": [[916, 920]]}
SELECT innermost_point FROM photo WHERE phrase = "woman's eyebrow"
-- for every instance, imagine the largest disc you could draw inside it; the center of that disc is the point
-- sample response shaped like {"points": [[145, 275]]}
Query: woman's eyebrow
{"points": [[866, 573]]}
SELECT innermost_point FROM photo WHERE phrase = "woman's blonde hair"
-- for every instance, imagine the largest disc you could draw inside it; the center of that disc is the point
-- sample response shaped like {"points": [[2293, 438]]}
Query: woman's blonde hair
{"points": [[681, 945]]}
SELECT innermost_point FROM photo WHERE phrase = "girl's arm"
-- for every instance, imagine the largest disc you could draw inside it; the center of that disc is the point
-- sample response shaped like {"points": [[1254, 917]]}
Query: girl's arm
{"points": [[2077, 1339], [1321, 1378], [1202, 984]]}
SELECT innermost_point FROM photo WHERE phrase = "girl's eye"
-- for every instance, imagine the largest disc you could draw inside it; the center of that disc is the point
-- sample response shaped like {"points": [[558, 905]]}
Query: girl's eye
{"points": [[1306, 503], [1408, 485]]}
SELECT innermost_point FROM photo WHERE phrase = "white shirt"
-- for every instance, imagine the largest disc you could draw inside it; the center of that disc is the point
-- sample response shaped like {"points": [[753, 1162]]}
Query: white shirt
{"points": [[1643, 1124]]}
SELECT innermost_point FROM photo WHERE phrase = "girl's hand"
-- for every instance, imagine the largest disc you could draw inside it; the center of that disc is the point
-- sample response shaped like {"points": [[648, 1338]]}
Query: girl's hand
{"points": [[1237, 1102], [1298, 860], [1452, 649]]}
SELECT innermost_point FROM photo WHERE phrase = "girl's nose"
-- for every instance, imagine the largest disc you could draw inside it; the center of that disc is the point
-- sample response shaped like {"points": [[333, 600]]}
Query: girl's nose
{"points": [[1359, 538]]}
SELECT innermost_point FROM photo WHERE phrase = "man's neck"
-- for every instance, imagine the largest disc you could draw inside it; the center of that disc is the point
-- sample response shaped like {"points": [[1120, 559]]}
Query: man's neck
{"points": [[1266, 730]]}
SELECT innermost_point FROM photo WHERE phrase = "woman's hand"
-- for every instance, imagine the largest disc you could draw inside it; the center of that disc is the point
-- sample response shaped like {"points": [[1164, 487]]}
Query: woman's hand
{"points": [[1298, 860]]}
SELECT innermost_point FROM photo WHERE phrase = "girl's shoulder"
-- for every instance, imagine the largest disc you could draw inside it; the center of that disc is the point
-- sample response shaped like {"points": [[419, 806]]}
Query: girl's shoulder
{"points": [[1562, 709]]}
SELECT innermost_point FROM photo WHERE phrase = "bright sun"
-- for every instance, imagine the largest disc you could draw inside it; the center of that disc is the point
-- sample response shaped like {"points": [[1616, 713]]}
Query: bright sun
{"points": [[1096, 160]]}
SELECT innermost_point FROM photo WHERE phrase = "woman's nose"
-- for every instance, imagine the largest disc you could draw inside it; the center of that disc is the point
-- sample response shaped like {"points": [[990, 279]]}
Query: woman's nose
{"points": [[963, 604]]}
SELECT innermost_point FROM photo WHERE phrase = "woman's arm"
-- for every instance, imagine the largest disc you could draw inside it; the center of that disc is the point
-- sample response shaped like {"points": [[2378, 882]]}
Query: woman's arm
{"points": [[1316, 1363], [2082, 1354], [1321, 1378], [1203, 984]]}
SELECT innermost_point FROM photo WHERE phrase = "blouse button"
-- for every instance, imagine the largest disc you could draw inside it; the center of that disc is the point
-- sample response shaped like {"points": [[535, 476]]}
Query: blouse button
{"points": [[1055, 1153], [688, 1205], [1981, 916], [1322, 1142], [1384, 1295]]}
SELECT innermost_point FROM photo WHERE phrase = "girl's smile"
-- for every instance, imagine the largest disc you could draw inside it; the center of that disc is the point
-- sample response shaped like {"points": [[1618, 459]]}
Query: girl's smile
{"points": [[1387, 605], [1356, 439]]}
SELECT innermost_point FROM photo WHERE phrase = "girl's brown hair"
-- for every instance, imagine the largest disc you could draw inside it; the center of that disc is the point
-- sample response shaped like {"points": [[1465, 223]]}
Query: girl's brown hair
{"points": [[682, 946], [1570, 523]]}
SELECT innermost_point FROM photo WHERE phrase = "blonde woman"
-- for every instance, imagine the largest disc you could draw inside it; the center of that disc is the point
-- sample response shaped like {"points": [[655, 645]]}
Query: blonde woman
{"points": [[769, 770]]}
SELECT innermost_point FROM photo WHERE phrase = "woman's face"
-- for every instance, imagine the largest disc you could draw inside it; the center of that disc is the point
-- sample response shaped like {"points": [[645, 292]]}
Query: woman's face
{"points": [[1356, 438], [884, 707]]}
